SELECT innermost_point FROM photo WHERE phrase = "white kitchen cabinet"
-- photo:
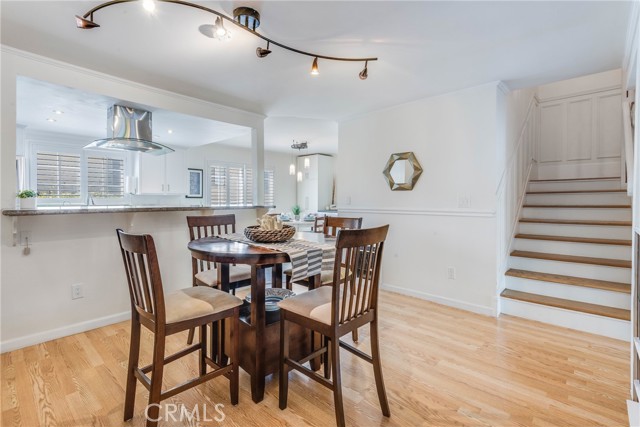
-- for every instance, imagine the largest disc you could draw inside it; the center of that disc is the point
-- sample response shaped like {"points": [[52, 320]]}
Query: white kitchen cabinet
{"points": [[315, 191], [166, 174]]}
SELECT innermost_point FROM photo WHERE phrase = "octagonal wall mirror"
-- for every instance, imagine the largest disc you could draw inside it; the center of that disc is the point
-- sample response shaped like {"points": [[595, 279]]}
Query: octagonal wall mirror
{"points": [[402, 171]]}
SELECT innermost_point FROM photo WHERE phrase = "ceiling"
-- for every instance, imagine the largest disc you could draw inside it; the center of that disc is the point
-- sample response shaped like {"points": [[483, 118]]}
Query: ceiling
{"points": [[81, 113], [424, 48]]}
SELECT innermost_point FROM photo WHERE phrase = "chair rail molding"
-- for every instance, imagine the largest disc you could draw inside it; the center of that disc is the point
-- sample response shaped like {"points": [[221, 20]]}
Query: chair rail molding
{"points": [[419, 212]]}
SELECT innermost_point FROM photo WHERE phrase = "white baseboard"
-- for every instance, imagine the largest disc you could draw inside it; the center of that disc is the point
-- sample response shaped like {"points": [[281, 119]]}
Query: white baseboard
{"points": [[475, 308], [76, 328]]}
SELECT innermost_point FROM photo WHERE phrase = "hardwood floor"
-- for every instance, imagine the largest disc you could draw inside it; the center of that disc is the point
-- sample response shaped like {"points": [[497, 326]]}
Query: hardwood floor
{"points": [[442, 367]]}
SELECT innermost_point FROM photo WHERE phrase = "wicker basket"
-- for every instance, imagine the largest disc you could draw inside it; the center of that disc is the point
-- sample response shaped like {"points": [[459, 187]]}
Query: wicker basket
{"points": [[256, 234]]}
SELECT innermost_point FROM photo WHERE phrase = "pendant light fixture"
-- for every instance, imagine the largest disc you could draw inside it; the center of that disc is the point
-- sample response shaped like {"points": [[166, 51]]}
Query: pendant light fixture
{"points": [[302, 145], [245, 18], [314, 67]]}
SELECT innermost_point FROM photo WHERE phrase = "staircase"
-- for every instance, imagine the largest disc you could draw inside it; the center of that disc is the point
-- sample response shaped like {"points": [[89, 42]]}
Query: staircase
{"points": [[571, 258]]}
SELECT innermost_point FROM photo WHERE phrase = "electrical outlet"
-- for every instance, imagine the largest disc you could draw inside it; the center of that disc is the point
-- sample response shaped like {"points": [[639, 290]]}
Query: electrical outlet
{"points": [[76, 291], [348, 200], [451, 273]]}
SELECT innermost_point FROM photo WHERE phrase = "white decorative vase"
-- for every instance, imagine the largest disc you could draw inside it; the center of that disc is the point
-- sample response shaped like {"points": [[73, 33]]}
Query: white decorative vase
{"points": [[28, 203]]}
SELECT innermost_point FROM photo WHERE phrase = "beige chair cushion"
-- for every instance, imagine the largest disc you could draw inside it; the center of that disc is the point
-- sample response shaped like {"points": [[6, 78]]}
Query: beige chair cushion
{"points": [[197, 301], [237, 273], [326, 277], [315, 304]]}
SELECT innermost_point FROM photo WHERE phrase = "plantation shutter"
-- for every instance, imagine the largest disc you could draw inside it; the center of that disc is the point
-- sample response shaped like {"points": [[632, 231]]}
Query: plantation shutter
{"points": [[218, 186], [105, 177], [58, 175], [248, 187], [269, 184], [236, 186]]}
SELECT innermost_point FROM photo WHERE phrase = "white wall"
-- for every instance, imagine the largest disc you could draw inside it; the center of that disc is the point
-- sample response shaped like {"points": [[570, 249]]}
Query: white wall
{"points": [[581, 127], [518, 112], [454, 137]]}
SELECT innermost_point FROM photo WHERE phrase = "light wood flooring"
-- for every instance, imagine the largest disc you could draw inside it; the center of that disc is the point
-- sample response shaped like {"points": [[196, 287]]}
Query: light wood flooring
{"points": [[442, 367]]}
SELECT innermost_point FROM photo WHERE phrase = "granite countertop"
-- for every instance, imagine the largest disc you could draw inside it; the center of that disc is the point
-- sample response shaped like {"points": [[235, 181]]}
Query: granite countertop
{"points": [[70, 210]]}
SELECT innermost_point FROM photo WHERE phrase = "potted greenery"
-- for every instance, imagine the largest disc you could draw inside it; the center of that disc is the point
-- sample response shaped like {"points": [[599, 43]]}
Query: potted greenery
{"points": [[27, 199], [295, 210]]}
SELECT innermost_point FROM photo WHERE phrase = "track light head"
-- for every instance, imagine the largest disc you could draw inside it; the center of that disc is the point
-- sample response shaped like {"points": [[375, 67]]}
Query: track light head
{"points": [[85, 24], [219, 31], [314, 67], [261, 52], [364, 73]]}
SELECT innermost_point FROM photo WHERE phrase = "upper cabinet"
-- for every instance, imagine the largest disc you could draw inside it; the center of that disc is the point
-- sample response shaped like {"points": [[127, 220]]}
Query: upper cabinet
{"points": [[166, 174], [315, 191]]}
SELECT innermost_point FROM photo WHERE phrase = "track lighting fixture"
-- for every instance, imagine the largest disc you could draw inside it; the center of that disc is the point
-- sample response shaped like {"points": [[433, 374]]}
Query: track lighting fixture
{"points": [[246, 18], [262, 53], [314, 67]]}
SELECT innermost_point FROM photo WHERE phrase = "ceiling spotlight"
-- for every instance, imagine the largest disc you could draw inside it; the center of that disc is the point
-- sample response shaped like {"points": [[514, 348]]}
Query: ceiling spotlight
{"points": [[263, 52], [50, 120], [170, 131], [314, 67], [58, 112], [149, 5], [86, 24], [219, 31], [364, 73]]}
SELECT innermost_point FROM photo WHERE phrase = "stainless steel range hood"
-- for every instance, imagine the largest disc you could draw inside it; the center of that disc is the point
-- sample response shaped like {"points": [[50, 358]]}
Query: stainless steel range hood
{"points": [[130, 130]]}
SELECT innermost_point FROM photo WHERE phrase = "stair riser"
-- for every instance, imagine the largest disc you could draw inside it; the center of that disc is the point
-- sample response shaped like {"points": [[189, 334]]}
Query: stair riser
{"points": [[614, 328], [578, 199], [613, 184], [574, 293], [599, 214], [598, 272], [596, 231], [572, 248]]}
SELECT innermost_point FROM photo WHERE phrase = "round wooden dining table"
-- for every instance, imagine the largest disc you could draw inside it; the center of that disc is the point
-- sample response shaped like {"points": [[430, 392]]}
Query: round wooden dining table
{"points": [[259, 342]]}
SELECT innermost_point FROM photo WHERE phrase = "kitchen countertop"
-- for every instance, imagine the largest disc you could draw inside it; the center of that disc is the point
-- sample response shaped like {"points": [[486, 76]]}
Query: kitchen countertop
{"points": [[70, 210]]}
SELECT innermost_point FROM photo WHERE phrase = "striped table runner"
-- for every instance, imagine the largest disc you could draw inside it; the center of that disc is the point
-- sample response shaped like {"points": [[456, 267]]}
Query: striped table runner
{"points": [[307, 258]]}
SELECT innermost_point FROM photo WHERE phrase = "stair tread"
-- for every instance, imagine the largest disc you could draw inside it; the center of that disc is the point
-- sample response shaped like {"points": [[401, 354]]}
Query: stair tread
{"points": [[576, 191], [579, 206], [600, 310], [572, 258], [575, 179], [618, 242], [571, 280], [575, 221]]}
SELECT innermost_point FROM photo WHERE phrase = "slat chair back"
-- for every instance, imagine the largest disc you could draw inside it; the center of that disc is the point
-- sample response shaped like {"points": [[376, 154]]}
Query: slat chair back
{"points": [[318, 224], [205, 226], [143, 277], [333, 224], [360, 253]]}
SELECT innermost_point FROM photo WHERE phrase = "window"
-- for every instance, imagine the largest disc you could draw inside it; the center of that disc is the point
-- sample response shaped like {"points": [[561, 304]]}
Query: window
{"points": [[105, 177], [67, 173], [269, 188], [232, 185], [58, 175]]}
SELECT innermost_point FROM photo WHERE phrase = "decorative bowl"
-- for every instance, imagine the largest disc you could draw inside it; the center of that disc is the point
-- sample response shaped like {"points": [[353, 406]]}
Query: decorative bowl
{"points": [[256, 234]]}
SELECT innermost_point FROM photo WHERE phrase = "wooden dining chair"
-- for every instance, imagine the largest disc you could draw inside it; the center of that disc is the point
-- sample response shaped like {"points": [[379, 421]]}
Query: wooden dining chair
{"points": [[225, 277], [330, 227], [318, 224], [166, 315], [208, 273], [335, 311]]}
